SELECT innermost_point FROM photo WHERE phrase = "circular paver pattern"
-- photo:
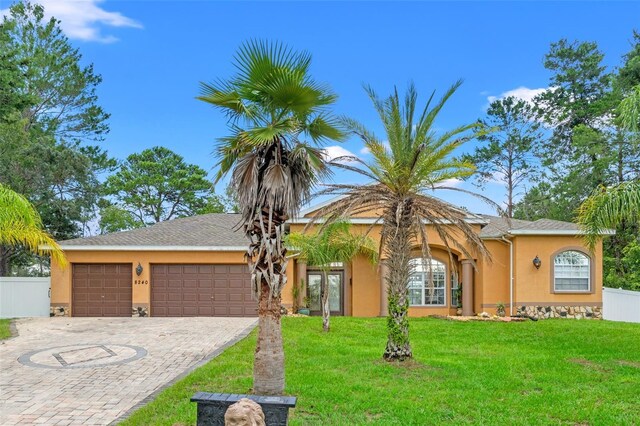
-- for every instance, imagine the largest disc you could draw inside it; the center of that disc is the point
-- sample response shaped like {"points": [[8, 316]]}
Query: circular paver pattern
{"points": [[82, 356]]}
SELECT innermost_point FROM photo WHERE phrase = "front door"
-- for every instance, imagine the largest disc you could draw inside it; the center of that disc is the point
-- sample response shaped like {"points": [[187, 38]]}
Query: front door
{"points": [[336, 292]]}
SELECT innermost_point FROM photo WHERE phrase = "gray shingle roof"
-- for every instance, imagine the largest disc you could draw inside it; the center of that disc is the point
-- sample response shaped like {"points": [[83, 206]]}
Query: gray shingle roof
{"points": [[208, 230], [499, 226], [217, 230]]}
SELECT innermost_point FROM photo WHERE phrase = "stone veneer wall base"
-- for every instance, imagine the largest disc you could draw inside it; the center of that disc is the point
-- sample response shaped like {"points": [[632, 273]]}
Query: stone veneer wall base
{"points": [[140, 311], [59, 311], [574, 312]]}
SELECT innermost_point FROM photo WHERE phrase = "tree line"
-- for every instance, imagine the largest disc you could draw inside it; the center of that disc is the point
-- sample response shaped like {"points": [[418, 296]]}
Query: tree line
{"points": [[52, 132], [570, 140]]}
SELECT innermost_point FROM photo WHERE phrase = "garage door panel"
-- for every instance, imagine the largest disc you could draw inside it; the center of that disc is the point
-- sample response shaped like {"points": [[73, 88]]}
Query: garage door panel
{"points": [[236, 283], [236, 298], [158, 269], [205, 283], [80, 269], [205, 269], [220, 284], [190, 283], [95, 269], [189, 269], [174, 269], [205, 311], [101, 290], [236, 311], [190, 297], [174, 297], [204, 290]]}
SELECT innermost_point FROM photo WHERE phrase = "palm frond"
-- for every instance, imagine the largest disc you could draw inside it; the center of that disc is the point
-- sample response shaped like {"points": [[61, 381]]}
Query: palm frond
{"points": [[21, 225], [272, 103], [607, 208], [629, 111]]}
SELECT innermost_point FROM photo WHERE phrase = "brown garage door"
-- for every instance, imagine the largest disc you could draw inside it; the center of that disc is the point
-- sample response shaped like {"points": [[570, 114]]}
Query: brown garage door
{"points": [[101, 290], [201, 291]]}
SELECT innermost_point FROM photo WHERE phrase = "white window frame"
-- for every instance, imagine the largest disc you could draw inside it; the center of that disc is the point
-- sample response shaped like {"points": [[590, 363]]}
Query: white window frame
{"points": [[425, 283], [588, 267], [455, 287]]}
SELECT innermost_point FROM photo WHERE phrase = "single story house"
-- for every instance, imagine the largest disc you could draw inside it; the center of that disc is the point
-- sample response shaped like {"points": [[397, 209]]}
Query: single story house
{"points": [[195, 267]]}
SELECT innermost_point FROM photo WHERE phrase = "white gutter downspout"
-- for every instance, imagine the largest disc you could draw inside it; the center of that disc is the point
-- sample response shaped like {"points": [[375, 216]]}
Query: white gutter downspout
{"points": [[510, 274]]}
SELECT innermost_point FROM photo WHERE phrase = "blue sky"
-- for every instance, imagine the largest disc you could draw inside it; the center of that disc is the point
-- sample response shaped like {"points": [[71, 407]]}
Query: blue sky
{"points": [[153, 54]]}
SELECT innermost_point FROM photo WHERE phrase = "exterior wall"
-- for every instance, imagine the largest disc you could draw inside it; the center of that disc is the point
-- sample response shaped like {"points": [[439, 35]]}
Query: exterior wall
{"points": [[365, 288], [434, 239], [141, 285], [533, 287], [362, 290], [492, 285]]}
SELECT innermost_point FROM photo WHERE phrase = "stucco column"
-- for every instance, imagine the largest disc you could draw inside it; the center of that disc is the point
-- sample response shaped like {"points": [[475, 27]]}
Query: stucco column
{"points": [[467, 287], [301, 274], [384, 289], [346, 285]]}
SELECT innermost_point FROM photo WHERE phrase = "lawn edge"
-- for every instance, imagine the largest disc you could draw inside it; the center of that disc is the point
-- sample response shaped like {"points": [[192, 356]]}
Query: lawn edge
{"points": [[13, 330], [152, 396]]}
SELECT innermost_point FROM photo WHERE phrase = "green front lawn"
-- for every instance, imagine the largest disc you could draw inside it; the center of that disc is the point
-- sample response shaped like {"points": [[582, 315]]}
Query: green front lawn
{"points": [[4, 329], [548, 372]]}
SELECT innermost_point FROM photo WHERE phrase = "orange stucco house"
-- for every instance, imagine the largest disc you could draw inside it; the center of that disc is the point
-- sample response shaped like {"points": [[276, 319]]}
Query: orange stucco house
{"points": [[195, 267]]}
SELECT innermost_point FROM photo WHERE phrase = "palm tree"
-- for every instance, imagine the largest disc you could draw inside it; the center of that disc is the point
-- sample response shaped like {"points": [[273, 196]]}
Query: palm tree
{"points": [[610, 207], [417, 160], [607, 208], [279, 120], [334, 243], [21, 225]]}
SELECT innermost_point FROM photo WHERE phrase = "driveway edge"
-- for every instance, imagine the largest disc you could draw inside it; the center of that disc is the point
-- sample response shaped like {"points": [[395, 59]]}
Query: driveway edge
{"points": [[243, 334]]}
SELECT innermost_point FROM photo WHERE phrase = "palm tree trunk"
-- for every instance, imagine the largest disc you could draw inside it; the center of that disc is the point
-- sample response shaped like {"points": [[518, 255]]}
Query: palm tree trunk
{"points": [[267, 262], [268, 364], [398, 253], [324, 297], [5, 252]]}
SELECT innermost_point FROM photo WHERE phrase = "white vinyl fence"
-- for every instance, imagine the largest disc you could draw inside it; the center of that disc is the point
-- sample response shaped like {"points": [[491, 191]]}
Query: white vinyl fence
{"points": [[24, 297], [620, 305]]}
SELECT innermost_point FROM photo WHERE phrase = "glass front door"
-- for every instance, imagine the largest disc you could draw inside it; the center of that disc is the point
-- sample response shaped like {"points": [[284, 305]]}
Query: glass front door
{"points": [[334, 280]]}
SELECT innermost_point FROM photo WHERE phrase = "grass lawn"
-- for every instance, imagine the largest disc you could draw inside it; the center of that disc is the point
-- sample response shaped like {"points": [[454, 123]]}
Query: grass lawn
{"points": [[4, 329], [552, 372]]}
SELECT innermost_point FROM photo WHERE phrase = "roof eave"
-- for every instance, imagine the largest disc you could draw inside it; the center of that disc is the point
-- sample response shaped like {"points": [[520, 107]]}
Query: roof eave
{"points": [[372, 220], [150, 248], [556, 232]]}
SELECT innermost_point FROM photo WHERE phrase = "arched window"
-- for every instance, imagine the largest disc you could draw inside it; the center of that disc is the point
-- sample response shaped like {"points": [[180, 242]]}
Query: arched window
{"points": [[571, 271], [427, 283]]}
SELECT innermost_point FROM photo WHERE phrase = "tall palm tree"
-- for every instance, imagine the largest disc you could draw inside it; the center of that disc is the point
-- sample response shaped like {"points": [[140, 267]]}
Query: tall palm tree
{"points": [[21, 225], [334, 243], [610, 207], [416, 160], [279, 119]]}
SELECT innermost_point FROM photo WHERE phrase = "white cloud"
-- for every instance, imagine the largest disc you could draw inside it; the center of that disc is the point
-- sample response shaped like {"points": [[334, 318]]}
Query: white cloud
{"points": [[84, 19], [451, 183], [521, 92], [336, 151]]}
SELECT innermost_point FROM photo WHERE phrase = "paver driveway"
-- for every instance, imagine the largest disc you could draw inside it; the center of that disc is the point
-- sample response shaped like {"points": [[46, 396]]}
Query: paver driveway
{"points": [[61, 371]]}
